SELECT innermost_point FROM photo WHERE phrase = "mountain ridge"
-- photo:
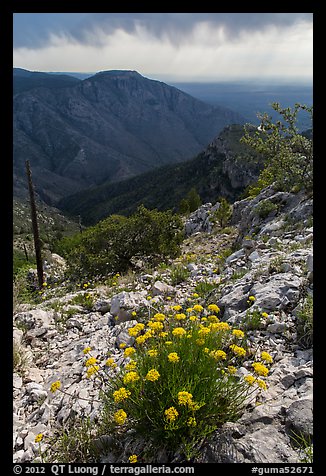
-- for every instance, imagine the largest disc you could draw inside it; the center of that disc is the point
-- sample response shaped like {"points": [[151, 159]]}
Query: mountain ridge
{"points": [[110, 126]]}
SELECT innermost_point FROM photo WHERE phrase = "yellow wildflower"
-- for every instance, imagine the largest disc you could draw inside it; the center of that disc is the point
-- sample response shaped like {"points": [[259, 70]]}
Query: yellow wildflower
{"points": [[110, 363], [120, 417], [266, 357], [173, 357], [250, 379], [240, 351], [159, 317], [163, 334], [92, 370], [180, 316], [264, 314], [218, 354], [177, 307], [122, 345], [251, 298], [133, 459], [121, 394], [213, 318], [200, 341], [260, 369], [39, 438], [191, 421], [171, 414], [261, 384], [130, 377], [193, 318], [152, 352], [232, 369], [195, 295], [86, 350], [155, 325], [140, 339], [179, 331], [184, 398], [152, 375], [169, 342], [129, 351], [131, 365], [238, 333], [213, 308], [189, 309], [198, 308], [90, 361], [55, 386]]}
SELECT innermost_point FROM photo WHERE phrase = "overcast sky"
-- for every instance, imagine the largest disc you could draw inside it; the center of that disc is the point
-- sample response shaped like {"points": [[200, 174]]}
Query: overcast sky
{"points": [[169, 46]]}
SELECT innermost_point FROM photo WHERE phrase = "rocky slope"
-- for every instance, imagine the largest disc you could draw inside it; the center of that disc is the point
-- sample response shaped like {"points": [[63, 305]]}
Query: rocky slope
{"points": [[111, 126], [266, 253]]}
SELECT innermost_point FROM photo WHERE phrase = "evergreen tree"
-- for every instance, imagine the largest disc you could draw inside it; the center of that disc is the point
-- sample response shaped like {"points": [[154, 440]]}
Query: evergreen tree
{"points": [[223, 213], [193, 199], [184, 207]]}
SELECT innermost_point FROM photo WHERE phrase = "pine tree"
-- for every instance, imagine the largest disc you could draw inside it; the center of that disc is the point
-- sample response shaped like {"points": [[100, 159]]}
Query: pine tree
{"points": [[224, 212], [193, 199]]}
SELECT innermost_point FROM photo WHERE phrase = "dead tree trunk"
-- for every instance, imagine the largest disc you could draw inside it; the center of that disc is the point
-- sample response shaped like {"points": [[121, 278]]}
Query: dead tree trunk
{"points": [[37, 242]]}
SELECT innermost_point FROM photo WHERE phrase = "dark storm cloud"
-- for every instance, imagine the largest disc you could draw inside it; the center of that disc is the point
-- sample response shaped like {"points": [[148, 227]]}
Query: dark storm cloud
{"points": [[34, 30]]}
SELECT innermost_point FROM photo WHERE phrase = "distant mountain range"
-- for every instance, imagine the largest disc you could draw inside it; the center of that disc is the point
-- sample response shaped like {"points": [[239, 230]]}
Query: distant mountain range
{"points": [[109, 127], [225, 168]]}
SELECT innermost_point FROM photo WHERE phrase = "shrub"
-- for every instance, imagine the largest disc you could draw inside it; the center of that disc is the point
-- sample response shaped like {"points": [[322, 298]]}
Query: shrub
{"points": [[288, 154], [180, 383], [223, 213], [179, 274], [305, 323], [110, 245], [265, 208]]}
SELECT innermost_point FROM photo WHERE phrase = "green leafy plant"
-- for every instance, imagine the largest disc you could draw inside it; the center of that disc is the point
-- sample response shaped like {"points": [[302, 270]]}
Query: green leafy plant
{"points": [[266, 208], [288, 154], [179, 273], [224, 212], [185, 366], [113, 243], [305, 323]]}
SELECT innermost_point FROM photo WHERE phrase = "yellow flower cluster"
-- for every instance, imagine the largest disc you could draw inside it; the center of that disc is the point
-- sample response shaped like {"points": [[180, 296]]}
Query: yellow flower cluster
{"points": [[134, 331], [55, 386], [156, 325], [198, 308], [133, 459], [129, 351], [266, 357], [131, 365], [173, 357], [218, 354], [120, 417], [86, 350], [39, 438], [121, 394], [180, 316], [240, 351], [159, 317], [260, 369], [171, 414], [130, 377], [179, 331], [110, 363], [185, 398], [238, 333], [152, 375], [92, 370], [213, 308], [90, 361], [152, 352]]}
